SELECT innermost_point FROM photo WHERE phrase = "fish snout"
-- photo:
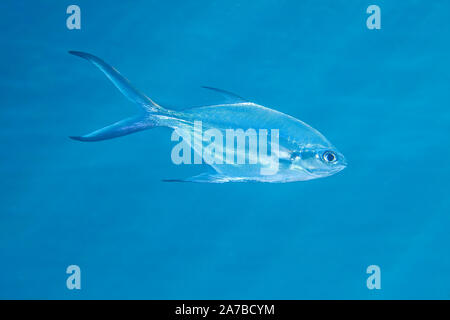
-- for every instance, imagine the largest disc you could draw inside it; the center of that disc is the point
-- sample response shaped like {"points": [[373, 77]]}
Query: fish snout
{"points": [[343, 163]]}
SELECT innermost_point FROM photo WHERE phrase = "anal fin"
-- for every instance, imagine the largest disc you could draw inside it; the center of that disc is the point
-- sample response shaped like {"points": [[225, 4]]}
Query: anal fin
{"points": [[204, 178]]}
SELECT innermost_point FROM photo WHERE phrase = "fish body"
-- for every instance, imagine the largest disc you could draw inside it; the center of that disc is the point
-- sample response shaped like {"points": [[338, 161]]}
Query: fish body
{"points": [[298, 152]]}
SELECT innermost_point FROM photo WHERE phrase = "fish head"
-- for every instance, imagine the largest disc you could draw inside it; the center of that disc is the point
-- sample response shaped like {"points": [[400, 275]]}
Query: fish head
{"points": [[318, 161]]}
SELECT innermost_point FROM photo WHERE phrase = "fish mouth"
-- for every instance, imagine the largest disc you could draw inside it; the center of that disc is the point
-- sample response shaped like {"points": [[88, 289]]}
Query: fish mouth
{"points": [[340, 166], [318, 173], [325, 173], [343, 163]]}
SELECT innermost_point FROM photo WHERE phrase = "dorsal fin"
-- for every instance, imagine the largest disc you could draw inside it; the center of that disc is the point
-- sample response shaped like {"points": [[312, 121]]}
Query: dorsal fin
{"points": [[230, 97]]}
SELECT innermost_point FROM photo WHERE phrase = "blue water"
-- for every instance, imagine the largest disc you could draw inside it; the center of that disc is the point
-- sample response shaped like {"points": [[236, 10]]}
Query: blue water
{"points": [[381, 96]]}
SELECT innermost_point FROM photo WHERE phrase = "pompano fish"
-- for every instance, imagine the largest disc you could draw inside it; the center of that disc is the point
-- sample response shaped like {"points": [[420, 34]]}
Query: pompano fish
{"points": [[303, 153]]}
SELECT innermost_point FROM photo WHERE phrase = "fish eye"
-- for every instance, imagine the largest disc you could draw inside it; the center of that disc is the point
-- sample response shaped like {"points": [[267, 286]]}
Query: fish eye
{"points": [[329, 156]]}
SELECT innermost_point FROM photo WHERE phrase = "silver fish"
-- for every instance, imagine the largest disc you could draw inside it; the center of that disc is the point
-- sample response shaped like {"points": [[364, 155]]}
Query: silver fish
{"points": [[303, 153]]}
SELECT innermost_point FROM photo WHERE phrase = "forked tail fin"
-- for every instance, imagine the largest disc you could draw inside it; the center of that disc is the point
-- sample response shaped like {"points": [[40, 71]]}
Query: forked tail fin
{"points": [[147, 119], [118, 129]]}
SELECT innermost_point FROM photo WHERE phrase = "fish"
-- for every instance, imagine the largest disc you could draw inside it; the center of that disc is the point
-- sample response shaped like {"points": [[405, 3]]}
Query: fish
{"points": [[298, 151]]}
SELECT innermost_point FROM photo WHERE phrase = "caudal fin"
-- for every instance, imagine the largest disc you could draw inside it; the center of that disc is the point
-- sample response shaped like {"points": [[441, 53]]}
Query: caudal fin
{"points": [[118, 129], [147, 119], [119, 81]]}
